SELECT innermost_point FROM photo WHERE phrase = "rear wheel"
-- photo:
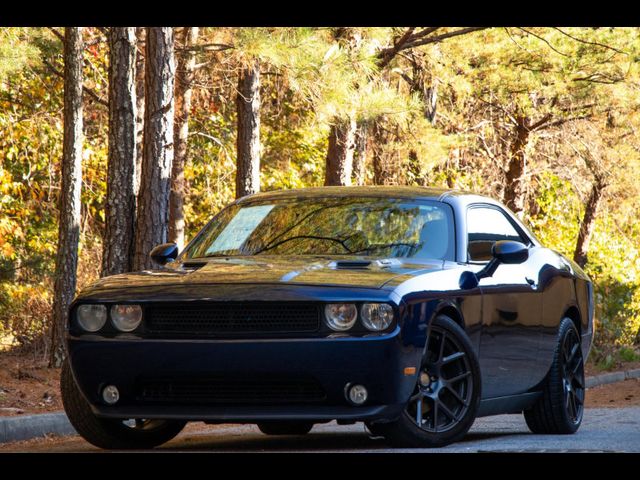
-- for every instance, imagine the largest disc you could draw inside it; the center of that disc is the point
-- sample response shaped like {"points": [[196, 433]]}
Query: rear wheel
{"points": [[561, 406], [285, 428], [444, 403], [112, 433]]}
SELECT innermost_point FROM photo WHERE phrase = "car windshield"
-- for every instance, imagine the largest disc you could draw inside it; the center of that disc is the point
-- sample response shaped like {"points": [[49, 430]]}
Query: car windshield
{"points": [[379, 227]]}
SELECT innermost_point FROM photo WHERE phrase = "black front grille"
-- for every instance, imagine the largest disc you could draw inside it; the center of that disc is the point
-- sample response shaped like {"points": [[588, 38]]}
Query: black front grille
{"points": [[231, 390], [232, 318]]}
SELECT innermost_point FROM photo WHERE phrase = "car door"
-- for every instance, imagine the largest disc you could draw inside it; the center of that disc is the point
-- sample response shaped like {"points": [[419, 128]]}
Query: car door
{"points": [[511, 305]]}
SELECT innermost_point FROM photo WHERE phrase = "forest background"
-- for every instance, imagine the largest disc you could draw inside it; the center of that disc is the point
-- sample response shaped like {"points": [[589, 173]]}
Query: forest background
{"points": [[544, 119]]}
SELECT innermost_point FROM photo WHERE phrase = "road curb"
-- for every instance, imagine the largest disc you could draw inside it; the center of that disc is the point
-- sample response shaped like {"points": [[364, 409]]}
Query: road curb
{"points": [[26, 427], [612, 377]]}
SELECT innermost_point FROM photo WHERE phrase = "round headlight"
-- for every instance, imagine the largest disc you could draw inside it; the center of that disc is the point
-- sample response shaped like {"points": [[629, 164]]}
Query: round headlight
{"points": [[376, 316], [341, 316], [126, 318], [91, 317]]}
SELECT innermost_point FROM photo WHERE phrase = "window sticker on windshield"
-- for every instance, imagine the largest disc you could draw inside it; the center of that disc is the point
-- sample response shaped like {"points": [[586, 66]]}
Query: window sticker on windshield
{"points": [[239, 228]]}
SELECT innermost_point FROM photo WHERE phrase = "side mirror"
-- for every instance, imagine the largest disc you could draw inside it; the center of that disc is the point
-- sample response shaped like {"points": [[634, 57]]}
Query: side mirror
{"points": [[503, 251], [164, 253], [510, 252]]}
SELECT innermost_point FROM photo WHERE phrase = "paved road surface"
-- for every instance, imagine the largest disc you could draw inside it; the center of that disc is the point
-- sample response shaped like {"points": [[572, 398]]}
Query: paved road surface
{"points": [[603, 430]]}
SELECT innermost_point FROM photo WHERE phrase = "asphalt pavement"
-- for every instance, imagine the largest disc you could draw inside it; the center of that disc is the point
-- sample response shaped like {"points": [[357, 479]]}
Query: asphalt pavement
{"points": [[602, 430]]}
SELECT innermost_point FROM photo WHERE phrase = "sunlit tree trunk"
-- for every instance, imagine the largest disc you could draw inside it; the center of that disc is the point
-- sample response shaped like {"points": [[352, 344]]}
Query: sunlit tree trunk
{"points": [[382, 159], [141, 35], [515, 188], [248, 138], [186, 37], [69, 202], [339, 160], [360, 153], [120, 205], [155, 186], [588, 223]]}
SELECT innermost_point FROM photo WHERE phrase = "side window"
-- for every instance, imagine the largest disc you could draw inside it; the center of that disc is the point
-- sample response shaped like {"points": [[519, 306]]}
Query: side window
{"points": [[485, 226]]}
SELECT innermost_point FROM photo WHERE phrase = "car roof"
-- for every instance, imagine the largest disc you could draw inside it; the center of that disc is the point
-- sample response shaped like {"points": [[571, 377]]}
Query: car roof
{"points": [[382, 191]]}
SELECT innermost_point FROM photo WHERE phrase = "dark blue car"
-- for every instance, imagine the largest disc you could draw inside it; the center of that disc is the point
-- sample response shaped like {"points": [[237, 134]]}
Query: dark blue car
{"points": [[413, 310]]}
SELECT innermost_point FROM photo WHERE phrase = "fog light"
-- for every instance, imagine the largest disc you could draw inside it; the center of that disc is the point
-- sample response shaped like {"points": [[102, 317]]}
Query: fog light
{"points": [[357, 394], [110, 394]]}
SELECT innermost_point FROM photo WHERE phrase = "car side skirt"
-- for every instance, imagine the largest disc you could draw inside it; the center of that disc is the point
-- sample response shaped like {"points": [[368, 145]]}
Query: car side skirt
{"points": [[507, 404]]}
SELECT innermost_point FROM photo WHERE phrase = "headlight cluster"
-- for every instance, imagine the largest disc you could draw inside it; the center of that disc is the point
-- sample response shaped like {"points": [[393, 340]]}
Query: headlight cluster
{"points": [[375, 317], [125, 318]]}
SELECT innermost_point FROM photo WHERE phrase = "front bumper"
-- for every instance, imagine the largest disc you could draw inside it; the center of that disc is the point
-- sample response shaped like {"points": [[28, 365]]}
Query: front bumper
{"points": [[377, 362]]}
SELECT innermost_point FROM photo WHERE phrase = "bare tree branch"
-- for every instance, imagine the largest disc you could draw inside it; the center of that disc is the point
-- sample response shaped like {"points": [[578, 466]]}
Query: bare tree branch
{"points": [[597, 44], [544, 40], [443, 36], [86, 90], [387, 54], [206, 47]]}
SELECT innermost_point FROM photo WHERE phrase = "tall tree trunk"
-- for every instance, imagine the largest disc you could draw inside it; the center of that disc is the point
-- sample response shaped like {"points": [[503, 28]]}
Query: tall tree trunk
{"points": [[248, 137], [382, 159], [120, 207], [515, 188], [141, 36], [588, 223], [71, 184], [360, 153], [339, 161], [184, 80], [155, 185]]}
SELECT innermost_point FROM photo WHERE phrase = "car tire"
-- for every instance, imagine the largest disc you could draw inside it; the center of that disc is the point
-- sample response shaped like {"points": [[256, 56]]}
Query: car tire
{"points": [[462, 375], [111, 433], [561, 406], [285, 428]]}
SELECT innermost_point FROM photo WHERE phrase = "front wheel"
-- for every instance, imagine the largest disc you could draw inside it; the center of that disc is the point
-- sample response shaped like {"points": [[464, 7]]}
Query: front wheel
{"points": [[109, 433], [445, 400], [561, 406]]}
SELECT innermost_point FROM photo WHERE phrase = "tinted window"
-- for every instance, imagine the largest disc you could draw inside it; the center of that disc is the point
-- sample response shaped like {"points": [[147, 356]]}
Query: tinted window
{"points": [[485, 226], [377, 227]]}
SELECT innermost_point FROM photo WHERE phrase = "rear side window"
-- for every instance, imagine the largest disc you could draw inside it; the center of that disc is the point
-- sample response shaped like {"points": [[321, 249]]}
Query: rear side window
{"points": [[485, 226]]}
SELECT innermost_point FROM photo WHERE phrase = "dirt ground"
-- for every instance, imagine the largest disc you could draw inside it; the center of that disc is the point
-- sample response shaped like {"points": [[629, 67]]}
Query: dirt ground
{"points": [[27, 386]]}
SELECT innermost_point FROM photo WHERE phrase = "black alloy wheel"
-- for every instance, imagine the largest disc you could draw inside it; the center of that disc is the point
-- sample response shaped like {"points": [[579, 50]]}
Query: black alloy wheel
{"points": [[445, 387], [445, 400], [561, 407]]}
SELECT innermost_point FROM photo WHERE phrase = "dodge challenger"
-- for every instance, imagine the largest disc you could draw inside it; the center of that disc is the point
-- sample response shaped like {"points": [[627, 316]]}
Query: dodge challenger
{"points": [[414, 310]]}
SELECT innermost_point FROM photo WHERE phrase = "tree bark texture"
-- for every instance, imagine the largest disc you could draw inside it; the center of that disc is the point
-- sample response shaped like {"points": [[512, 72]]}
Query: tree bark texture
{"points": [[71, 184], [248, 138], [360, 153], [588, 223], [120, 206], [339, 161], [186, 61], [515, 188], [155, 185], [383, 160], [141, 36]]}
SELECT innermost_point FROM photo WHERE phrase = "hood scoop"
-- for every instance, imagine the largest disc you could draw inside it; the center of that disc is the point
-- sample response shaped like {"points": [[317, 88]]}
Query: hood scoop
{"points": [[365, 264], [192, 266], [351, 264]]}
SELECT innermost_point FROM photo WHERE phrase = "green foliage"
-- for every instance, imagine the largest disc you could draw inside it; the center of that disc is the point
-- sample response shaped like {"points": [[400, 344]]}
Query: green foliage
{"points": [[310, 78]]}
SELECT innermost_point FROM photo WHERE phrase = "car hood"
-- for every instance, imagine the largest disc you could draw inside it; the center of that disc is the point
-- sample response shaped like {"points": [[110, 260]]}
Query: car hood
{"points": [[284, 270]]}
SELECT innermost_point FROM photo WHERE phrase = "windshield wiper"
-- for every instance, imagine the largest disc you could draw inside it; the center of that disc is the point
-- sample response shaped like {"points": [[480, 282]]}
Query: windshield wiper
{"points": [[312, 237], [380, 246]]}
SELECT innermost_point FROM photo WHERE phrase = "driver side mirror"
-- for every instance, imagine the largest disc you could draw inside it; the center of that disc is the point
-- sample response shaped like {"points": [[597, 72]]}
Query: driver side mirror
{"points": [[503, 251], [164, 253]]}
